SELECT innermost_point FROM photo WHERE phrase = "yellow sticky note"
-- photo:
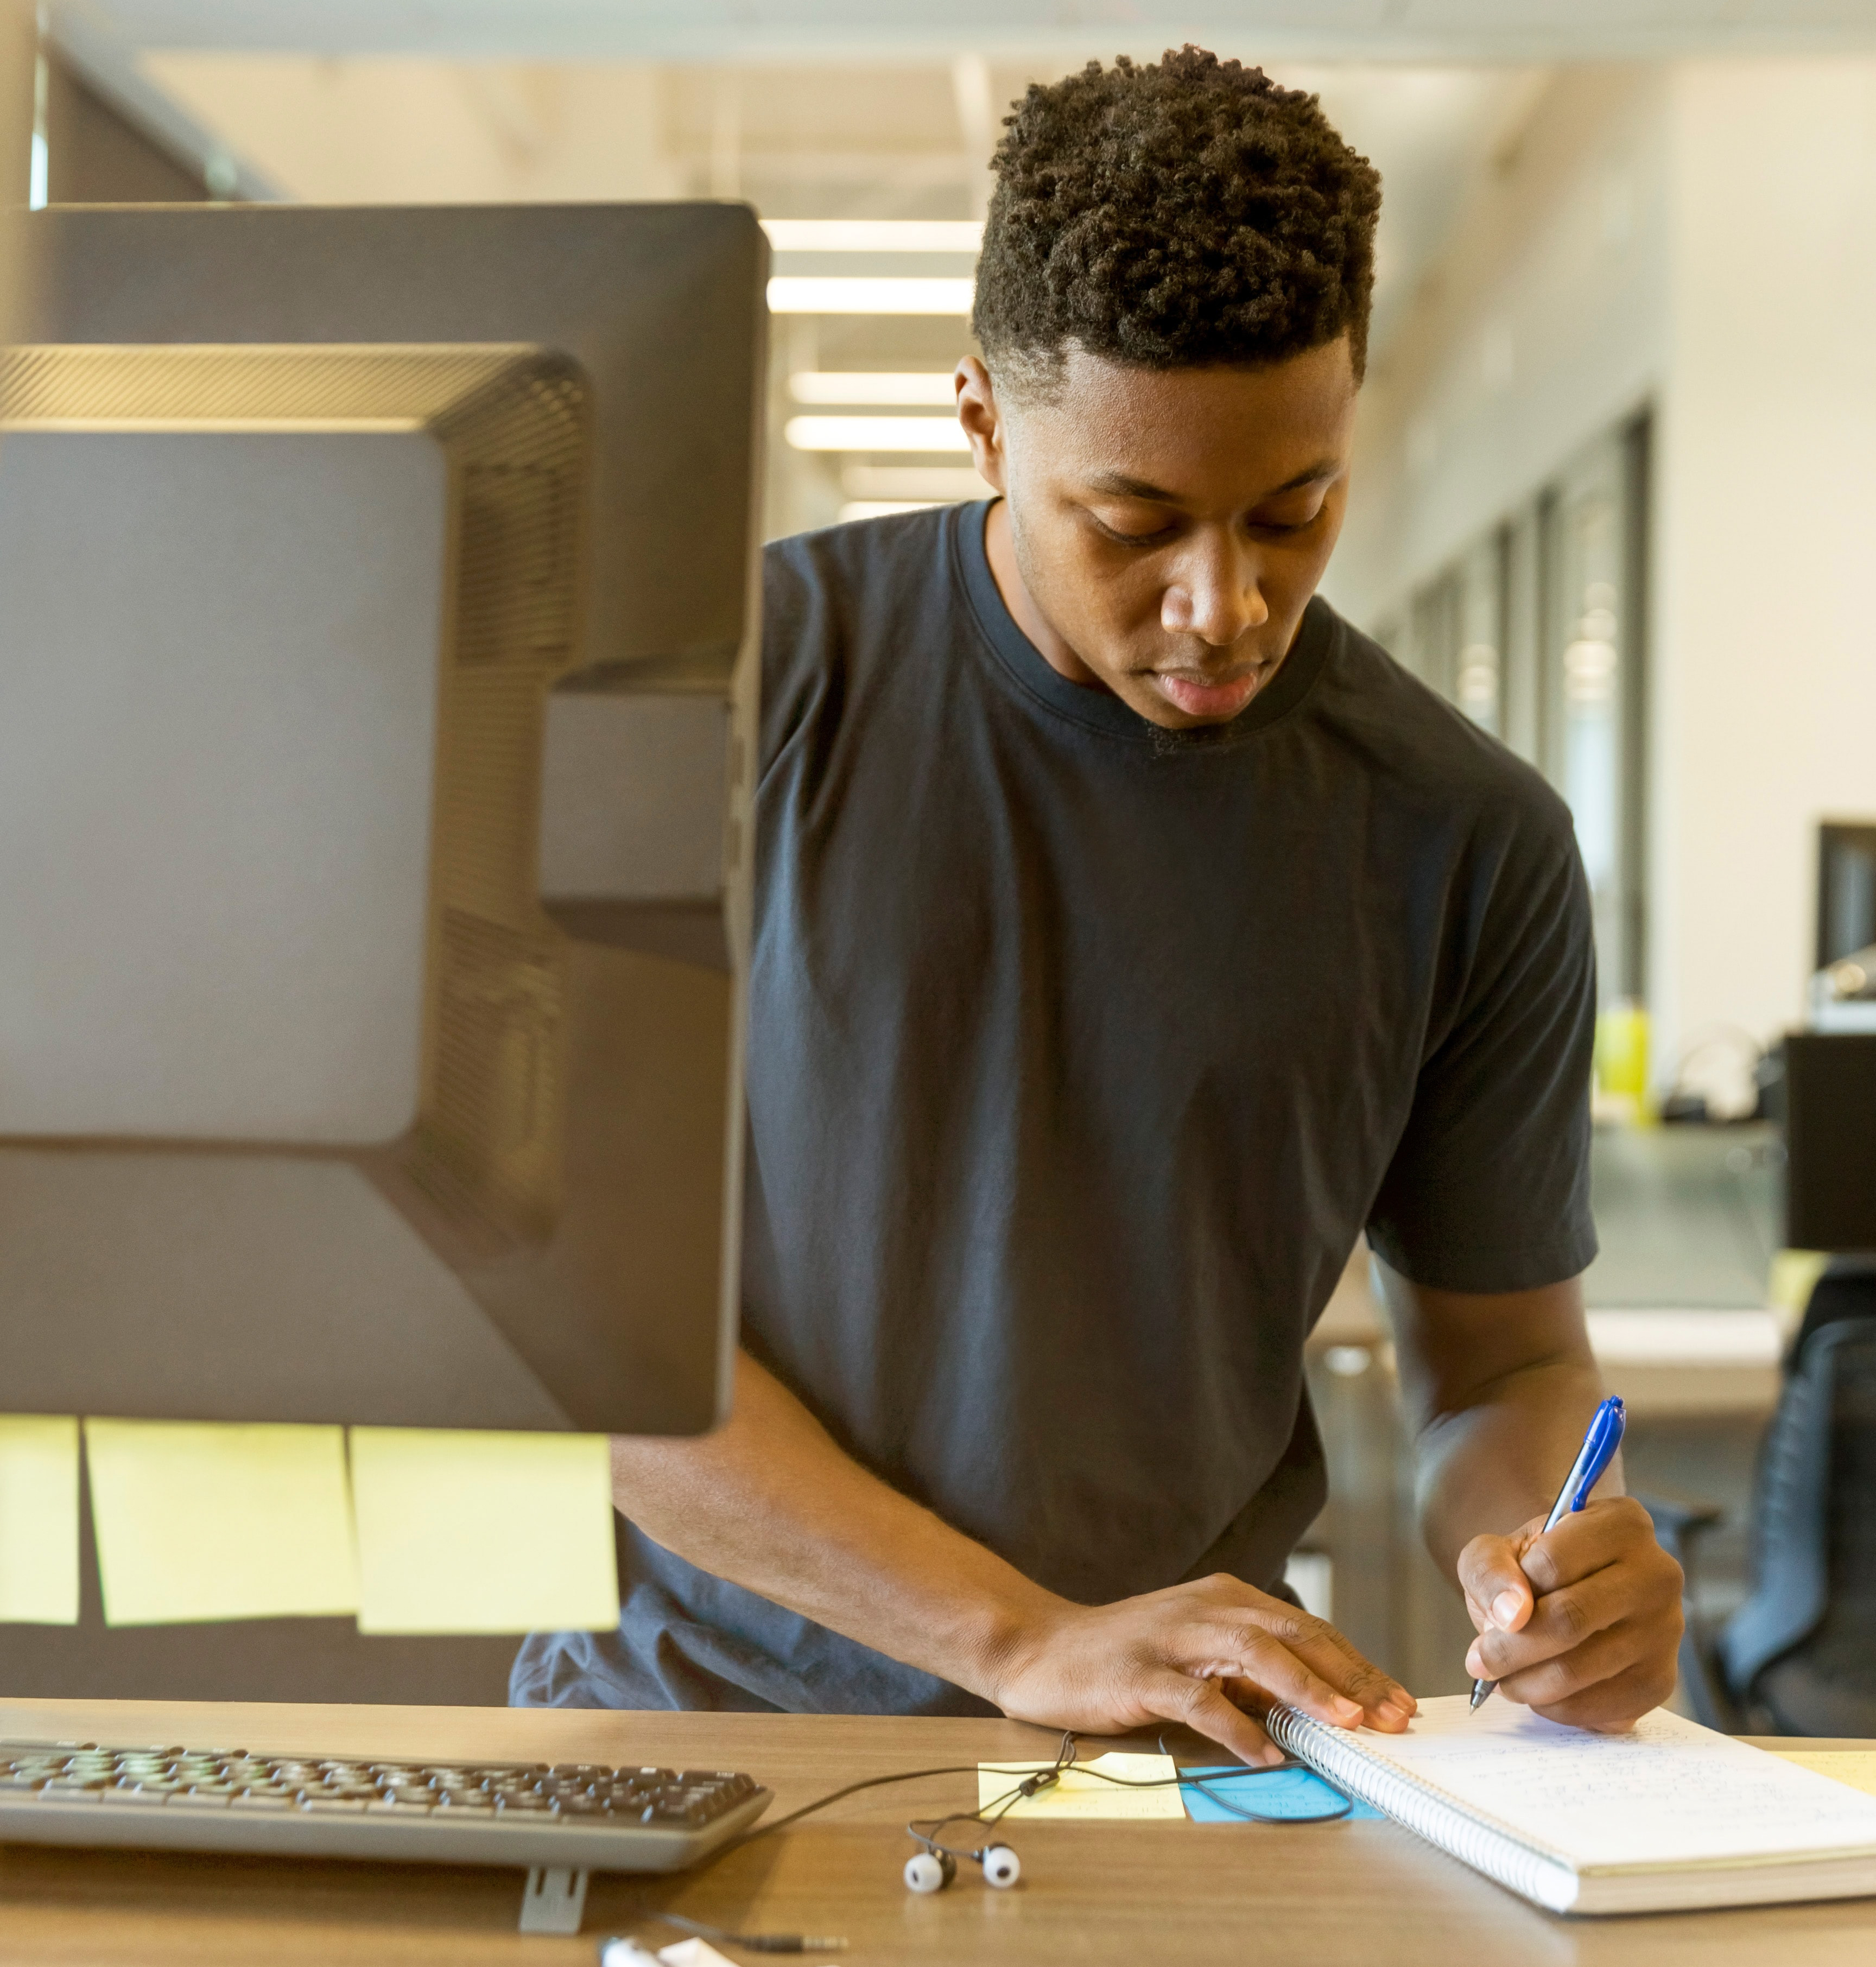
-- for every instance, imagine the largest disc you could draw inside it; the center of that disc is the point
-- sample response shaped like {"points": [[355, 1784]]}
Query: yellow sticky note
{"points": [[201, 1520], [39, 1519], [1856, 1767], [1790, 1282], [1081, 1793], [473, 1532]]}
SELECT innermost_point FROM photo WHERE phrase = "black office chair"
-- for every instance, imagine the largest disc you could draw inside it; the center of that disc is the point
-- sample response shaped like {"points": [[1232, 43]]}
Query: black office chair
{"points": [[1799, 1657]]}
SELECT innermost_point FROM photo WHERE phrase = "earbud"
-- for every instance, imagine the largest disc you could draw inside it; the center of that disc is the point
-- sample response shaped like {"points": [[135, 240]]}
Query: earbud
{"points": [[1002, 1867], [930, 1870], [933, 1868]]}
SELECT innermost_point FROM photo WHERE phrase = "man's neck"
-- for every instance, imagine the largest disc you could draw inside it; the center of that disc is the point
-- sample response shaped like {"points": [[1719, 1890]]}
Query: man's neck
{"points": [[1000, 547]]}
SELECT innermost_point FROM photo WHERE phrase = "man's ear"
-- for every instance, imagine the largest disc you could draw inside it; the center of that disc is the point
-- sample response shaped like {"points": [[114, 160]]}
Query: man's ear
{"points": [[983, 420]]}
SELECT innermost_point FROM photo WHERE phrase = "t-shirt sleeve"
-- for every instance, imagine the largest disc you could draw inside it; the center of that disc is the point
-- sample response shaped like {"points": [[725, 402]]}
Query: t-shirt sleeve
{"points": [[1488, 1188]]}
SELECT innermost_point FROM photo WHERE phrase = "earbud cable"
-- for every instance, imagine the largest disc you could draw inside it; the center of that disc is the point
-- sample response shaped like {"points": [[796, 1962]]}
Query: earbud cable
{"points": [[926, 1830]]}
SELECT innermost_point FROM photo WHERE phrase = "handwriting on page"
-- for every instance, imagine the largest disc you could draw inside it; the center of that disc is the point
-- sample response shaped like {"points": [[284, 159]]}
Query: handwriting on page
{"points": [[1667, 1793]]}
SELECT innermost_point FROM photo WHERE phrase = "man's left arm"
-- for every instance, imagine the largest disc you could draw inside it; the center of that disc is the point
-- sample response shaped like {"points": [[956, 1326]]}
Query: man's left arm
{"points": [[1582, 1624]]}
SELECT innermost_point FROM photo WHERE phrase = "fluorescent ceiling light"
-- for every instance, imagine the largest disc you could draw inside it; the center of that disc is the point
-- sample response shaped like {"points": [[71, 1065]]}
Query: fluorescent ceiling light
{"points": [[874, 235], [872, 386], [875, 434], [832, 295]]}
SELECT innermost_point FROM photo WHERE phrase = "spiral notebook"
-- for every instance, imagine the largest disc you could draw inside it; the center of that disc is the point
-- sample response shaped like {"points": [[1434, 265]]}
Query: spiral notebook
{"points": [[1671, 1815]]}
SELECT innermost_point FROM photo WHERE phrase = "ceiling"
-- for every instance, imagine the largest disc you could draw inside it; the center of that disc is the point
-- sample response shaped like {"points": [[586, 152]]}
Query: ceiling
{"points": [[1499, 31]]}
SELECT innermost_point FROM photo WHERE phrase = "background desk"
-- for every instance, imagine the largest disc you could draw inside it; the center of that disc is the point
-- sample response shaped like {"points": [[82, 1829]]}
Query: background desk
{"points": [[1330, 1895]]}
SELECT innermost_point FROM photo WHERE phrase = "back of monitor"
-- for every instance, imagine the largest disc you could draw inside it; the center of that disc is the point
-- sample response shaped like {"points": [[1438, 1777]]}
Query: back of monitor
{"points": [[373, 1054]]}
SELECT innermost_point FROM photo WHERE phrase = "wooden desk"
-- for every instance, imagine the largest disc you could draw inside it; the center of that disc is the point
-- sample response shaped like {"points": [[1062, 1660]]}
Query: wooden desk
{"points": [[1330, 1895]]}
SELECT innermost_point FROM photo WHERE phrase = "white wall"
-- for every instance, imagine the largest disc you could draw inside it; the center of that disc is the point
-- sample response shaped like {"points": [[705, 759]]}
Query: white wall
{"points": [[1766, 634], [1544, 322], [1703, 236], [410, 132]]}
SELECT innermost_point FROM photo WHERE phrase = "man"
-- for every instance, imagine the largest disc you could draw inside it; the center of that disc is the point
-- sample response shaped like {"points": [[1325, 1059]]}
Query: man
{"points": [[1130, 935]]}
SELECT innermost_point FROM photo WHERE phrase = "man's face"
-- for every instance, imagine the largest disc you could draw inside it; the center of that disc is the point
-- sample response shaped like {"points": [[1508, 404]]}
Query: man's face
{"points": [[1170, 526]]}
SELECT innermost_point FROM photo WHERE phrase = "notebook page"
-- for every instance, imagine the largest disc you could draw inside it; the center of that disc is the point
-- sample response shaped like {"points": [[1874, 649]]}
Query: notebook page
{"points": [[1669, 1793]]}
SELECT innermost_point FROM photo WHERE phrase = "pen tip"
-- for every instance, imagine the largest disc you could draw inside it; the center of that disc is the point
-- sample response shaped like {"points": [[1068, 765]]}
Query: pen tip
{"points": [[1480, 1688]]}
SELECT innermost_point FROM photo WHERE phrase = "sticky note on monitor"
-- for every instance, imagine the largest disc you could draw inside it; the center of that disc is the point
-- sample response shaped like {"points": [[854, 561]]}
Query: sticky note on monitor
{"points": [[204, 1521], [475, 1532], [39, 1519]]}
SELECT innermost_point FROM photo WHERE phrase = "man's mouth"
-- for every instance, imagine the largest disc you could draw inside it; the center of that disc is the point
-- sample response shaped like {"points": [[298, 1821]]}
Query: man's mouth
{"points": [[1215, 701]]}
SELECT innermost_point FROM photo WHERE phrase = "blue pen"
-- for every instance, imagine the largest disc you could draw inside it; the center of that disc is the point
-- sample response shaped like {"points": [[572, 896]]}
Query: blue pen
{"points": [[1598, 1450]]}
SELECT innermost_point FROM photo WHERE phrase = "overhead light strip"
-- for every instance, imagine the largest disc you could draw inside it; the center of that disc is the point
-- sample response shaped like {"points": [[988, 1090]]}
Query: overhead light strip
{"points": [[914, 434], [874, 235], [833, 294], [933, 386]]}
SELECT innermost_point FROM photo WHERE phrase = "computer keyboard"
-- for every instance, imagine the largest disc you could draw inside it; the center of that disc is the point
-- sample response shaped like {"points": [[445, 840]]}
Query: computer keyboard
{"points": [[577, 1816]]}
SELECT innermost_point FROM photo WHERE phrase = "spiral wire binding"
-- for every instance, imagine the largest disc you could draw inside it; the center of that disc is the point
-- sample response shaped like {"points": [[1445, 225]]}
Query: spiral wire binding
{"points": [[1528, 1869]]}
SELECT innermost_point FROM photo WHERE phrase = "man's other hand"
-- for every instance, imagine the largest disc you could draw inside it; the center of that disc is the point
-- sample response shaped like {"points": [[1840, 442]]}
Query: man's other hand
{"points": [[1201, 1655], [1581, 1623]]}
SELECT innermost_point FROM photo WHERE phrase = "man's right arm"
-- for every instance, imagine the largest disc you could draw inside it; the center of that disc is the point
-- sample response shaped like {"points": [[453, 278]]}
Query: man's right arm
{"points": [[769, 1502]]}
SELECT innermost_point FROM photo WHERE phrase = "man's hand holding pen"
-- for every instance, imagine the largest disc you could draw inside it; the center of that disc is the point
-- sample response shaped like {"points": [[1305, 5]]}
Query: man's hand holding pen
{"points": [[1581, 1622]]}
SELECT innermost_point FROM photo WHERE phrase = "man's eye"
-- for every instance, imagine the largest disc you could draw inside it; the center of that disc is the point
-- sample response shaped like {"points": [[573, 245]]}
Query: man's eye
{"points": [[1128, 536], [1283, 522]]}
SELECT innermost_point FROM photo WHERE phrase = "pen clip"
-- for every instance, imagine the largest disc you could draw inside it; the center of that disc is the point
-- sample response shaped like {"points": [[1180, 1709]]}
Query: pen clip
{"points": [[1605, 1434]]}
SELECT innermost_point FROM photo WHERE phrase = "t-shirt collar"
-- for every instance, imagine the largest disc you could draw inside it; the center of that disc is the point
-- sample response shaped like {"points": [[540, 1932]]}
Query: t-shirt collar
{"points": [[1098, 709]]}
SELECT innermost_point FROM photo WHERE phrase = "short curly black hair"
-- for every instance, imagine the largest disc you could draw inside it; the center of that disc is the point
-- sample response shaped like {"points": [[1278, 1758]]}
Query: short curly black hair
{"points": [[1188, 214]]}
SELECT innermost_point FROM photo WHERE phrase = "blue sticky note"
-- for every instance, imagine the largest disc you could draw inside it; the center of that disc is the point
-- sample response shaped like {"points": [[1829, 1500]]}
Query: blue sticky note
{"points": [[1285, 1793]]}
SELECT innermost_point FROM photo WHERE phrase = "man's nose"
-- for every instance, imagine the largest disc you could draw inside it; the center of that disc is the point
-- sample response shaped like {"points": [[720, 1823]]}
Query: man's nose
{"points": [[1215, 595]]}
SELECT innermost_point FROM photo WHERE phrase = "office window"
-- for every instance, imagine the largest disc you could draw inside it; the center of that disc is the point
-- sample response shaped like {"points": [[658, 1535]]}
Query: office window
{"points": [[1591, 718], [1846, 890], [1433, 632], [1522, 664], [1535, 632], [1478, 685]]}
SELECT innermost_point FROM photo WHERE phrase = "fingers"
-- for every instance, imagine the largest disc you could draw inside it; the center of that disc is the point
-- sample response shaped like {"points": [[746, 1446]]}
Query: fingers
{"points": [[1385, 1703], [1238, 1649], [1617, 1704], [1587, 1540], [1294, 1656], [1564, 1620], [1201, 1706], [1497, 1588], [1181, 1655], [1598, 1648], [1599, 1657]]}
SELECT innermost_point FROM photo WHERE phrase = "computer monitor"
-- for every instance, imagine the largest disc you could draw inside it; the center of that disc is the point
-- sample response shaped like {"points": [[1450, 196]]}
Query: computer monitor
{"points": [[376, 727], [1846, 888], [1829, 1097]]}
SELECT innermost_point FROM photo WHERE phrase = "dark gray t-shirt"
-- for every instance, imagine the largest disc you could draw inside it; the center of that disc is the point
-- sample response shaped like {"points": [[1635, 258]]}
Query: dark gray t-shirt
{"points": [[1078, 1056]]}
